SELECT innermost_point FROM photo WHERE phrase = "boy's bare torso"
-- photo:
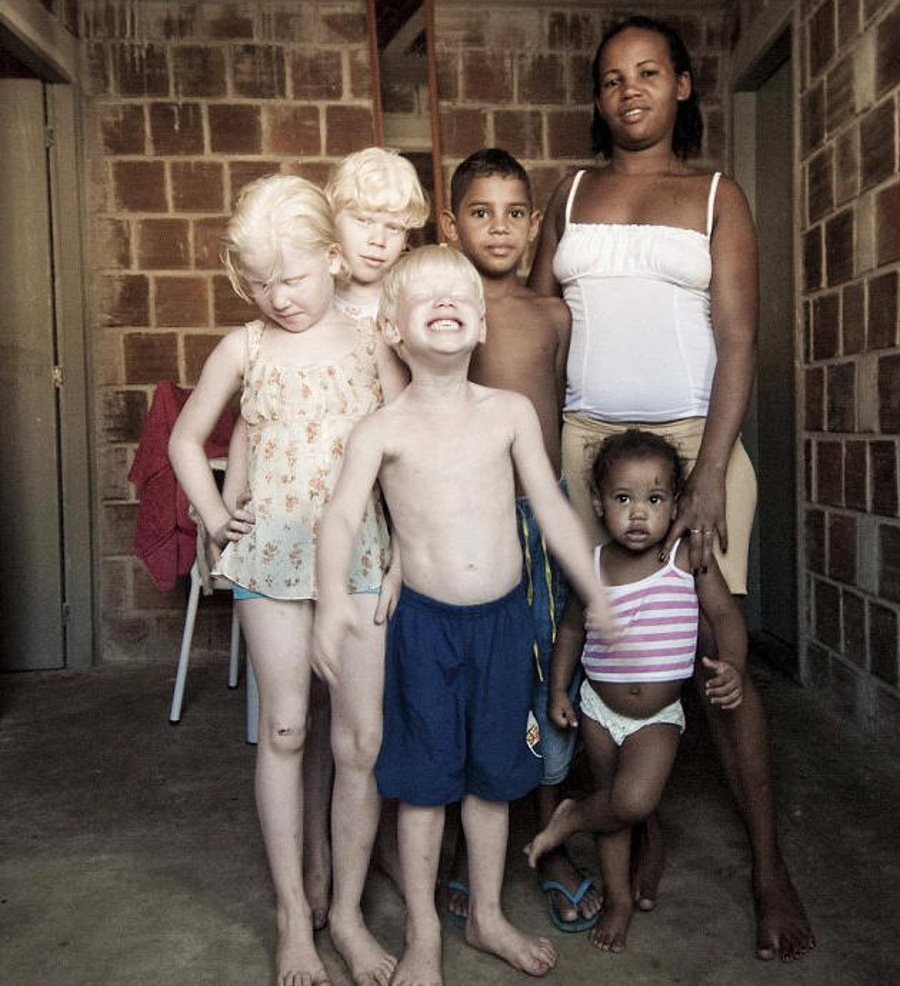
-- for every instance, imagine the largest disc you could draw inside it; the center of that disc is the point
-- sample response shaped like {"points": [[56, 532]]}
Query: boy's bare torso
{"points": [[447, 476], [525, 351]]}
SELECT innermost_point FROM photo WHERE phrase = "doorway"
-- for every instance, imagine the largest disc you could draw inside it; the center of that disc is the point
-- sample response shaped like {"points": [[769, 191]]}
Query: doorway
{"points": [[764, 165], [45, 589]]}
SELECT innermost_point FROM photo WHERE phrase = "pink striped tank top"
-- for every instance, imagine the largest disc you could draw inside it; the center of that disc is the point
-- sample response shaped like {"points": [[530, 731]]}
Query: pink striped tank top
{"points": [[655, 636]]}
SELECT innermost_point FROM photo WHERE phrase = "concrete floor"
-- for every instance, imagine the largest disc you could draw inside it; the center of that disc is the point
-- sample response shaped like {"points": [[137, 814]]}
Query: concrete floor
{"points": [[130, 852]]}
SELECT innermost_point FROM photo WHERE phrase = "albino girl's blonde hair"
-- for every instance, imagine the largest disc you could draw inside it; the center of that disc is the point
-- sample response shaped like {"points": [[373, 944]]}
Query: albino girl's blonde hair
{"points": [[378, 180], [427, 261], [271, 212]]}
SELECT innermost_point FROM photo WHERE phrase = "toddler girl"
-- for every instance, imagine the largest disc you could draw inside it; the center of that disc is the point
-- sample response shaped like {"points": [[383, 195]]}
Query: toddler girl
{"points": [[631, 711], [307, 373]]}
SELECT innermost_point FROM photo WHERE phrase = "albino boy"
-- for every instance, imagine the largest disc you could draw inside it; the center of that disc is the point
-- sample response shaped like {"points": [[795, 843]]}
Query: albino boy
{"points": [[458, 663]]}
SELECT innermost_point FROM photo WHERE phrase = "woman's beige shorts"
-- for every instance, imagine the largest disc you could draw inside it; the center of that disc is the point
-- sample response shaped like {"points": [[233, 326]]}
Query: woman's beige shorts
{"points": [[581, 437]]}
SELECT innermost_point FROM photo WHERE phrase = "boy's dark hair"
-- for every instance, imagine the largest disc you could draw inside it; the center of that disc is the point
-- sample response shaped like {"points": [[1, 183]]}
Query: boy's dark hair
{"points": [[688, 135], [485, 163], [635, 444]]}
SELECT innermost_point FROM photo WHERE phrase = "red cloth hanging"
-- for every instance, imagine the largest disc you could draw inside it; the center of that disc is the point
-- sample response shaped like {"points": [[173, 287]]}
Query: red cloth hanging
{"points": [[165, 537]]}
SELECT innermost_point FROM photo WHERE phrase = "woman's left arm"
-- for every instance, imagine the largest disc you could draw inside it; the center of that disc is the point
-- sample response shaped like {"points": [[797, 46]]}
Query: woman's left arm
{"points": [[734, 305]]}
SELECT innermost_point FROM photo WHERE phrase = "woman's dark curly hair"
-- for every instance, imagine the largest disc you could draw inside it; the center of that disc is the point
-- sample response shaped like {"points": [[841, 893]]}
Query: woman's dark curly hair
{"points": [[688, 135], [634, 444]]}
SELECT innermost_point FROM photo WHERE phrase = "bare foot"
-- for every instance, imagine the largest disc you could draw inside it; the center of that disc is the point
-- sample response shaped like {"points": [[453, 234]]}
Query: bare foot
{"points": [[611, 931], [420, 964], [296, 961], [559, 829], [648, 861], [535, 956], [782, 927], [556, 865], [368, 962]]}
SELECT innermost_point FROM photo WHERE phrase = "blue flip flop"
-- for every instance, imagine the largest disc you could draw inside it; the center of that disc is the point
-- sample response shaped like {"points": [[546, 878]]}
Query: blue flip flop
{"points": [[580, 923], [457, 920]]}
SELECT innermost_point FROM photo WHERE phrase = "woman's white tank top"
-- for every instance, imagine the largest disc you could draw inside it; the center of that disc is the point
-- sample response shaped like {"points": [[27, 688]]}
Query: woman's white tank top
{"points": [[642, 345]]}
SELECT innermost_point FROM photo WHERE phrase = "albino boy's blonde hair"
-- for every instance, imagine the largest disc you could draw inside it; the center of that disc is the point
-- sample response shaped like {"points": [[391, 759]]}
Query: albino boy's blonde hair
{"points": [[427, 261], [269, 213], [377, 180]]}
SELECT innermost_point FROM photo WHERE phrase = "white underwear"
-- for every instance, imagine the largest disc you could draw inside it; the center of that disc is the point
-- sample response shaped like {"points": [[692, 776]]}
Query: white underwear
{"points": [[621, 727]]}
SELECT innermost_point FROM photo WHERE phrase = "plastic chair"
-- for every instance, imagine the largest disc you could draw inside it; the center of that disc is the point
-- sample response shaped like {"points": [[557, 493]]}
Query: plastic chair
{"points": [[198, 578]]}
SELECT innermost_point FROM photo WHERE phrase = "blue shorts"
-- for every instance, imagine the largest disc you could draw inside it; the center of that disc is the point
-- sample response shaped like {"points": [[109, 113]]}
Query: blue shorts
{"points": [[457, 693], [547, 592]]}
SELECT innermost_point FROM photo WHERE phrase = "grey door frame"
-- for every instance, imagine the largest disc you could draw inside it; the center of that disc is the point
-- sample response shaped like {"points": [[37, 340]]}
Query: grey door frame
{"points": [[40, 41]]}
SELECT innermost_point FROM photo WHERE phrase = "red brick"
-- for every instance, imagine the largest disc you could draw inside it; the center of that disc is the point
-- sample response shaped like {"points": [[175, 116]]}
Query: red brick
{"points": [[113, 465], [882, 327], [315, 171], [117, 522], [569, 134], [812, 117], [97, 82], [853, 616], [181, 301], [815, 399], [258, 71], [234, 128], [581, 85], [839, 247], [839, 95], [819, 185], [855, 493], [889, 573], [815, 541], [448, 75], [122, 414], [488, 78], [887, 44], [140, 186], [808, 459], [826, 321], [361, 76], [883, 458], [112, 242], [319, 75], [207, 242], [521, 132], [150, 356], [707, 75], [846, 165], [176, 128], [543, 181], [122, 299], [163, 243], [806, 352], [227, 21], [842, 548], [197, 347], [887, 223], [889, 393], [828, 614], [877, 139], [293, 130], [243, 172], [462, 131], [197, 186], [228, 308], [571, 30], [122, 128], [199, 71], [821, 37], [812, 258], [829, 473], [140, 69], [347, 128], [841, 388], [883, 642], [339, 26], [853, 318], [848, 21], [541, 79]]}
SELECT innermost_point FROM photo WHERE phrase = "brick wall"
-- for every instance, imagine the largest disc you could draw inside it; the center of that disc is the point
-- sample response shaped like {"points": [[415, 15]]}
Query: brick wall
{"points": [[186, 102], [849, 222]]}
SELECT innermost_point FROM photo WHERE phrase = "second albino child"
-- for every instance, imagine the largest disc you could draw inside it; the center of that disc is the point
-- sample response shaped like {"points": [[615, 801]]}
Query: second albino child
{"points": [[631, 715], [307, 373]]}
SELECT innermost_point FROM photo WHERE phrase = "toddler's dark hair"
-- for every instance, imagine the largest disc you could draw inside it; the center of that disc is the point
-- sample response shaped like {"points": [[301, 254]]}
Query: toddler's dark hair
{"points": [[687, 137], [486, 163], [635, 444]]}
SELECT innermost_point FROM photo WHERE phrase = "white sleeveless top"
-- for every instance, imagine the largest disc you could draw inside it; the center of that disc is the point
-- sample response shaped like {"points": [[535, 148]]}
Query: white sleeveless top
{"points": [[642, 346]]}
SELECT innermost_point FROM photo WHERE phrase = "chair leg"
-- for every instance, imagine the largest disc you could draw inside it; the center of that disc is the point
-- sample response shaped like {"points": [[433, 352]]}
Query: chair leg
{"points": [[252, 704], [184, 656], [235, 648]]}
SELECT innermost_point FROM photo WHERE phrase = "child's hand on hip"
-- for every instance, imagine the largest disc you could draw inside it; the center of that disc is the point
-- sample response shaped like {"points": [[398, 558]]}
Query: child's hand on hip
{"points": [[726, 686]]}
